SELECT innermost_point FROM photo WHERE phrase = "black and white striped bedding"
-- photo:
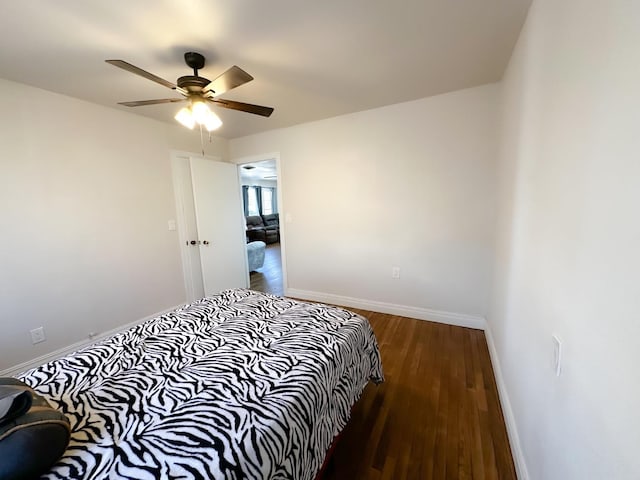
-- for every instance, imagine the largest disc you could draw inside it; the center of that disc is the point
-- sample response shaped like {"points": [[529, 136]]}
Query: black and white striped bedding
{"points": [[239, 385]]}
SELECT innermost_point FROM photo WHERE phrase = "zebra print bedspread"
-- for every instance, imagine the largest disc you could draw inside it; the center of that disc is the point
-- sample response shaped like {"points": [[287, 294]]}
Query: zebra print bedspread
{"points": [[238, 385]]}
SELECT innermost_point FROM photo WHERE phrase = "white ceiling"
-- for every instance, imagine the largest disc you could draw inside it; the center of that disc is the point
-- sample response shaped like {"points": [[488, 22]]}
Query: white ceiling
{"points": [[264, 170], [310, 59]]}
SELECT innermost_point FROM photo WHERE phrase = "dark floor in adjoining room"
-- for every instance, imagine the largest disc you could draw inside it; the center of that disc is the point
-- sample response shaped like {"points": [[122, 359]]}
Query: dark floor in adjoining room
{"points": [[268, 279], [437, 416]]}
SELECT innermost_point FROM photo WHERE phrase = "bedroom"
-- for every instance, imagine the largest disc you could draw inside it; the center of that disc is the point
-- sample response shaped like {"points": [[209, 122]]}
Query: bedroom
{"points": [[513, 202]]}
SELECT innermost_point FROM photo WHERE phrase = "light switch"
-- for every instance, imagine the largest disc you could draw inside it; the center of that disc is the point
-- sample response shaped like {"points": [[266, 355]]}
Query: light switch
{"points": [[172, 225]]}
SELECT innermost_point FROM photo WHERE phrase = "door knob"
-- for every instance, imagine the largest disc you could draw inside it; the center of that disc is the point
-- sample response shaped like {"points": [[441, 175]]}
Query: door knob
{"points": [[192, 242], [206, 242]]}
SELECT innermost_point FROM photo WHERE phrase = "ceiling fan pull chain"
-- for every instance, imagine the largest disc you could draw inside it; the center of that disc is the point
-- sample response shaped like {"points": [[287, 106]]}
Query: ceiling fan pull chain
{"points": [[201, 140]]}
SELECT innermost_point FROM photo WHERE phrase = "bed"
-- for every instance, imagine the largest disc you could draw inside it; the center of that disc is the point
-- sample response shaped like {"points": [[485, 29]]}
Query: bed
{"points": [[237, 385]]}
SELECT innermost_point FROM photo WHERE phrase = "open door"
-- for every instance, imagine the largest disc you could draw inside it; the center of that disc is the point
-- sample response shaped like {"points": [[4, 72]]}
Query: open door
{"points": [[219, 219]]}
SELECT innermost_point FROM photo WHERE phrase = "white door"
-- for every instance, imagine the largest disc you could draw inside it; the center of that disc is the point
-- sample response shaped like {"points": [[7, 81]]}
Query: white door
{"points": [[221, 231]]}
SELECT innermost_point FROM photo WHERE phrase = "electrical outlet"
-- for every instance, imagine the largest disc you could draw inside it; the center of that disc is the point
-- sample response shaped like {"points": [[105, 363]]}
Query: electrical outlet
{"points": [[37, 335], [395, 272], [557, 354]]}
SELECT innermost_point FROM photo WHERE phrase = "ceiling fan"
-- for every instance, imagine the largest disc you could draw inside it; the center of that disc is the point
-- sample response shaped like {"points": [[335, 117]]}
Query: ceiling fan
{"points": [[198, 91]]}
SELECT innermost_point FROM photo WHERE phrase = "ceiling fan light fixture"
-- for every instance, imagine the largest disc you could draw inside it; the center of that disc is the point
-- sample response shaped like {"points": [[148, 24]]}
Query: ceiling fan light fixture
{"points": [[185, 118], [200, 114], [212, 122], [200, 111]]}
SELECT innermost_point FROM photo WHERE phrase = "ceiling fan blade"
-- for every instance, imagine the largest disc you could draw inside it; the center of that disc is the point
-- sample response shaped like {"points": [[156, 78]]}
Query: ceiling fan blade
{"points": [[143, 73], [232, 78], [243, 107], [140, 103]]}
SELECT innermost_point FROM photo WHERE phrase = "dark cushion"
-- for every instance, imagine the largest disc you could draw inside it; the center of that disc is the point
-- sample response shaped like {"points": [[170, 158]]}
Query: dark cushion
{"points": [[254, 221], [271, 220], [31, 442]]}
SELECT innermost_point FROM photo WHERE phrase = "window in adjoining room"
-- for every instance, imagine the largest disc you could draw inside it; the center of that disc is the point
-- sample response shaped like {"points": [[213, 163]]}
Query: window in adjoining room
{"points": [[267, 201], [259, 200], [252, 197]]}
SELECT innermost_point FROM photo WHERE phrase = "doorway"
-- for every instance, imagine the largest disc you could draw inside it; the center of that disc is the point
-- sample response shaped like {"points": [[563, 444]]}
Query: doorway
{"points": [[261, 194]]}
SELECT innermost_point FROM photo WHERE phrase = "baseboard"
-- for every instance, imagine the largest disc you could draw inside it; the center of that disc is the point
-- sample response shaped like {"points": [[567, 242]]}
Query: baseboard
{"points": [[509, 418], [36, 362], [451, 318]]}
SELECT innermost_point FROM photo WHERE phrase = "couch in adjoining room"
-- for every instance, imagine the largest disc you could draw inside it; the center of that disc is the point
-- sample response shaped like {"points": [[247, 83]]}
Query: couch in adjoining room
{"points": [[265, 228]]}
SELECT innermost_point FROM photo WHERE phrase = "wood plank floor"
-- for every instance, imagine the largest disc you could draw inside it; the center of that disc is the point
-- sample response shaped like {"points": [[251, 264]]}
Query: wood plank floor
{"points": [[437, 416], [268, 279]]}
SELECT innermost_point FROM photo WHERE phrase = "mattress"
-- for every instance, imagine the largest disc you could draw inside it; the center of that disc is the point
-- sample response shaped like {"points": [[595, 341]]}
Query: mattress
{"points": [[237, 385]]}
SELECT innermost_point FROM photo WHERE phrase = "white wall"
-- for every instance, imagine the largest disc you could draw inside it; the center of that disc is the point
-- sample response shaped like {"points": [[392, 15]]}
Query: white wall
{"points": [[408, 185], [85, 196], [568, 242]]}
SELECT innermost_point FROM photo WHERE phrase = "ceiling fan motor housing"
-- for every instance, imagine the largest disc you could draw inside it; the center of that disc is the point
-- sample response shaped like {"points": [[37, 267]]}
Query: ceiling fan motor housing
{"points": [[193, 84], [194, 60]]}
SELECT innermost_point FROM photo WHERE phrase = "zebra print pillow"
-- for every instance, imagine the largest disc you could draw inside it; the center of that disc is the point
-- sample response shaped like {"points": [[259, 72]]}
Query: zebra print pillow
{"points": [[238, 385]]}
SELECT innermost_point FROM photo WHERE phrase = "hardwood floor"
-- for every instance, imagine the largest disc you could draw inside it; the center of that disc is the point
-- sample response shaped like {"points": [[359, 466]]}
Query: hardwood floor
{"points": [[437, 416], [268, 279]]}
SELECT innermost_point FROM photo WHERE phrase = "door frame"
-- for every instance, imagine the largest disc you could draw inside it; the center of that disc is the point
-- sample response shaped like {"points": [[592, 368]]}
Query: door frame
{"points": [[239, 161]]}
